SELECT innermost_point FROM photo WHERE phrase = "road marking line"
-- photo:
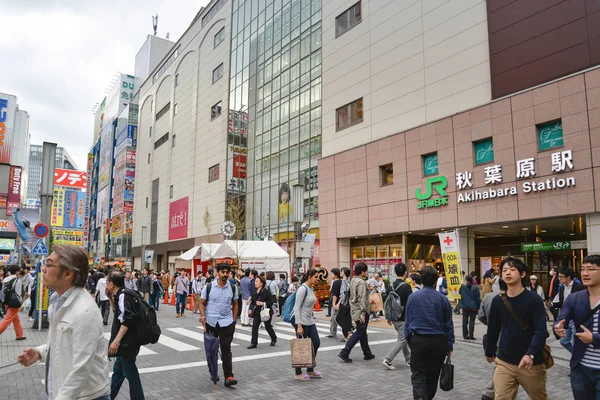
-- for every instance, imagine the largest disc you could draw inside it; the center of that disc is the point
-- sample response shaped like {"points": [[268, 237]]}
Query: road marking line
{"points": [[144, 351], [264, 332], [175, 344], [191, 334]]}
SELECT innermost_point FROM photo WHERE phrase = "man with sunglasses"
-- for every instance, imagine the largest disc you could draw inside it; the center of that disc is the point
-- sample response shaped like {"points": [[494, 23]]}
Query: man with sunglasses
{"points": [[583, 309]]}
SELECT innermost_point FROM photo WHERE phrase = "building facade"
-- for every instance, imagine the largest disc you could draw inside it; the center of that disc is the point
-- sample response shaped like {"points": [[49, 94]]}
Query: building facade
{"points": [[63, 160], [182, 142], [478, 116]]}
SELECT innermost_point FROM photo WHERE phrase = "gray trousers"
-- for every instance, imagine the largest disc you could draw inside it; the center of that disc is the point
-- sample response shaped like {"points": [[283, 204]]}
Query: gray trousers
{"points": [[333, 324], [400, 343]]}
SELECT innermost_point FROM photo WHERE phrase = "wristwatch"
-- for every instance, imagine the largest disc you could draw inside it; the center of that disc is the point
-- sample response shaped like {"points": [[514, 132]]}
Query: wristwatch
{"points": [[531, 355]]}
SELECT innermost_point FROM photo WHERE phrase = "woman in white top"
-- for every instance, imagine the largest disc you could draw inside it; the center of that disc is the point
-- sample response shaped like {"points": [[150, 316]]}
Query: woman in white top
{"points": [[535, 287]]}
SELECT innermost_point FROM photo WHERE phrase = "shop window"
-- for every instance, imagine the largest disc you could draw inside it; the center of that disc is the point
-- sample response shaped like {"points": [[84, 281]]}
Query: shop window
{"points": [[387, 174], [484, 151], [348, 19], [349, 115], [550, 135], [215, 111], [213, 173], [430, 164], [217, 73]]}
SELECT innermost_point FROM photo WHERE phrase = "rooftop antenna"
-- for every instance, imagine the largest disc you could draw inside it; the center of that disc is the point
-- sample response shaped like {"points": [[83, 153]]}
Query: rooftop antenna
{"points": [[155, 23], [167, 35]]}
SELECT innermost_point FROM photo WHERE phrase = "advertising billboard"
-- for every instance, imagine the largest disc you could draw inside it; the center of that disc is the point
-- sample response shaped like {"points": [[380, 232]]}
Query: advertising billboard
{"points": [[117, 225], [236, 168], [3, 201], [67, 236], [14, 189], [126, 137], [102, 208], [74, 209], [69, 178], [58, 208], [7, 244], [106, 155], [178, 219], [88, 193], [7, 111], [129, 184]]}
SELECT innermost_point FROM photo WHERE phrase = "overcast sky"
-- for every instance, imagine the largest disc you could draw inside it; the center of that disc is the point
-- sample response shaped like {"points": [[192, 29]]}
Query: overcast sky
{"points": [[59, 56]]}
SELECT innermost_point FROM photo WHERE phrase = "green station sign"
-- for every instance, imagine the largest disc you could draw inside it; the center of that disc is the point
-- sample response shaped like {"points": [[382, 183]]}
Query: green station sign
{"points": [[428, 199], [546, 246]]}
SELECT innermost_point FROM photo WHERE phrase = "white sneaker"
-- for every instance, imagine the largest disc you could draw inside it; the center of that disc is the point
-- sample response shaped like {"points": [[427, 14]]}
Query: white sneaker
{"points": [[31, 319], [388, 365]]}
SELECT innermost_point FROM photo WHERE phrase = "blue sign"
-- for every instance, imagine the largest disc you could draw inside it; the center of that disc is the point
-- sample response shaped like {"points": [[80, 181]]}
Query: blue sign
{"points": [[132, 134], [39, 249]]}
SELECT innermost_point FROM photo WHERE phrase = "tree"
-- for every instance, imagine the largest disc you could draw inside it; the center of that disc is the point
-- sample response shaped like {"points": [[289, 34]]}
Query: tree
{"points": [[236, 213], [207, 220]]}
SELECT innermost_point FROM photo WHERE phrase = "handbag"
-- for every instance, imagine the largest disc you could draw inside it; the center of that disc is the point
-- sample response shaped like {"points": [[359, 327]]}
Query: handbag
{"points": [[302, 351], [548, 360], [265, 314], [447, 376]]}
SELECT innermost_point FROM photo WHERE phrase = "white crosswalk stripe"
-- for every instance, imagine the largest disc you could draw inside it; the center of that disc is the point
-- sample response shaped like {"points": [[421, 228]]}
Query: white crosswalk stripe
{"points": [[175, 344], [264, 332], [191, 334]]}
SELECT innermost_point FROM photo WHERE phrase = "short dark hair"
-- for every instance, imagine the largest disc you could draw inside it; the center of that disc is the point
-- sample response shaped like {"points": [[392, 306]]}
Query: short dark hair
{"points": [[262, 279], [14, 269], [335, 272], [271, 275], [117, 278], [295, 279], [346, 272], [429, 276], [247, 272], [223, 266], [469, 280], [360, 268], [592, 259], [254, 272], [568, 272], [416, 278], [519, 265], [311, 272], [281, 276], [400, 269]]}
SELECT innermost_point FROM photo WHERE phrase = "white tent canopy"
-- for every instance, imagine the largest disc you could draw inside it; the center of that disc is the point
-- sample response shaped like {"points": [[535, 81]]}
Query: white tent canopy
{"points": [[255, 252], [204, 252]]}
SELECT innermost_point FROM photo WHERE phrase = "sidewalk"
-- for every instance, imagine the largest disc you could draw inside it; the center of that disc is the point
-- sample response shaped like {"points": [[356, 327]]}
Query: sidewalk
{"points": [[10, 348]]}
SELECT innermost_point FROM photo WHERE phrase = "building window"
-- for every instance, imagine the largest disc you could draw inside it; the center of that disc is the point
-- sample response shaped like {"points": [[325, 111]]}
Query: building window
{"points": [[213, 173], [348, 19], [150, 132], [215, 111], [218, 73], [176, 79], [171, 191], [163, 111], [219, 37], [173, 141], [430, 164], [148, 158], [550, 135], [350, 114], [164, 139], [484, 151], [212, 12], [175, 109], [146, 202], [387, 174]]}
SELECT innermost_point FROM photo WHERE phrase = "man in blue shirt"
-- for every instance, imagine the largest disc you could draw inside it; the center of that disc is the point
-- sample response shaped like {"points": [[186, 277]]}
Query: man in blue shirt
{"points": [[429, 331], [246, 288], [218, 313]]}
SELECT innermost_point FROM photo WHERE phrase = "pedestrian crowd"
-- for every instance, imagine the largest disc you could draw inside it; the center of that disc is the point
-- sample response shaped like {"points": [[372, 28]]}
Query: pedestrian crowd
{"points": [[514, 307]]}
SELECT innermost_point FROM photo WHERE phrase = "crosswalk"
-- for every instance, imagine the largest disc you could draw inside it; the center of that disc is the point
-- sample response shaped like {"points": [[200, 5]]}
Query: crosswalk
{"points": [[192, 338]]}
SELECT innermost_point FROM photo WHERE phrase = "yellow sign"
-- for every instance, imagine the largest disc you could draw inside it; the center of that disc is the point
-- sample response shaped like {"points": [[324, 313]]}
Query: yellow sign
{"points": [[45, 295], [67, 236], [58, 208], [451, 259]]}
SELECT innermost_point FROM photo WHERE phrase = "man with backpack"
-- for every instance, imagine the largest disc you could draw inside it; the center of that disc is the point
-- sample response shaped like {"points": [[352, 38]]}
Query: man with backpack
{"points": [[12, 288], [394, 307], [124, 342]]}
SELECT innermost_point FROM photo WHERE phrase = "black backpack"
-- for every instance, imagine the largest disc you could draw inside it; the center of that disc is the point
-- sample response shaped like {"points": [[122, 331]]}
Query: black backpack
{"points": [[11, 299], [147, 330]]}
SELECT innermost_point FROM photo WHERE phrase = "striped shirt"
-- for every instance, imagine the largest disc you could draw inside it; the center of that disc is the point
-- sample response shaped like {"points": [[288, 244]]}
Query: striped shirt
{"points": [[591, 358]]}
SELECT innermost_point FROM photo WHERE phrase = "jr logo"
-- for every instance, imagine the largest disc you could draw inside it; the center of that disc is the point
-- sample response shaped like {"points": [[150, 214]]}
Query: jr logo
{"points": [[426, 200]]}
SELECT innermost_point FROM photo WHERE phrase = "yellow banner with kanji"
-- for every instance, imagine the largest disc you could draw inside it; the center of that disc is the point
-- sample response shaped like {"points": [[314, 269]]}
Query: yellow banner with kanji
{"points": [[451, 259]]}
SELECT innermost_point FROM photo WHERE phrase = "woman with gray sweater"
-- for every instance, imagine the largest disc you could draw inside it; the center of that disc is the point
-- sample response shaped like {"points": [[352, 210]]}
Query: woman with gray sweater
{"points": [[303, 320]]}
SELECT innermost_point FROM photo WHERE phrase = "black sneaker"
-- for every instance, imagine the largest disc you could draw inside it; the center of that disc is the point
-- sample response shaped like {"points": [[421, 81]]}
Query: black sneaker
{"points": [[230, 381], [346, 359], [21, 338], [369, 357]]}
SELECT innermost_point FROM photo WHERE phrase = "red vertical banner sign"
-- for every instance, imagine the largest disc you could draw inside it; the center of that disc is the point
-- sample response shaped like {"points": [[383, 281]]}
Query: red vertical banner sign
{"points": [[14, 189]]}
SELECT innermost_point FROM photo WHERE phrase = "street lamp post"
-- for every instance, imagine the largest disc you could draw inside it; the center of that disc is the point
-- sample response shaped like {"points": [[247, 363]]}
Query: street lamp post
{"points": [[298, 209], [144, 229]]}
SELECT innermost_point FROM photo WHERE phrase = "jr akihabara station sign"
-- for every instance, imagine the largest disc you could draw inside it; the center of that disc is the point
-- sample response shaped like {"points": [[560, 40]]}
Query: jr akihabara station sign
{"points": [[435, 193]]}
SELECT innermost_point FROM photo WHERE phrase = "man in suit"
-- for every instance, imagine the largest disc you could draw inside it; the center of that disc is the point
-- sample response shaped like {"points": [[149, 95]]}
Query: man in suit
{"points": [[566, 276]]}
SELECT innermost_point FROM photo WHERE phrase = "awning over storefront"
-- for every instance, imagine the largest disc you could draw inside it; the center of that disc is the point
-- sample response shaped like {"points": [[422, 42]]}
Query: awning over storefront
{"points": [[268, 253], [203, 252]]}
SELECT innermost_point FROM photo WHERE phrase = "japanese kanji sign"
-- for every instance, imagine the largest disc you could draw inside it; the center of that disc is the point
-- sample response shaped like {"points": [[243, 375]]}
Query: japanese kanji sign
{"points": [[69, 178], [451, 259]]}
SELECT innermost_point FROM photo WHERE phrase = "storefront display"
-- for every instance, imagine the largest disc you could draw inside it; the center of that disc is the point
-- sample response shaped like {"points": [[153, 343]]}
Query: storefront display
{"points": [[379, 259]]}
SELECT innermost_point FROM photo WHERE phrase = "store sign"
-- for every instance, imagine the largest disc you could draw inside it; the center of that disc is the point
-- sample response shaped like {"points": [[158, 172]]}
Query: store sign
{"points": [[578, 244], [451, 258], [14, 189], [545, 246], [427, 199], [178, 219], [550, 135], [67, 236], [4, 133], [562, 161], [69, 178]]}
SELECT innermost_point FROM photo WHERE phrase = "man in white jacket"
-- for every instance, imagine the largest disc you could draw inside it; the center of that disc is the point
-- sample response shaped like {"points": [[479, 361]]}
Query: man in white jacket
{"points": [[75, 355]]}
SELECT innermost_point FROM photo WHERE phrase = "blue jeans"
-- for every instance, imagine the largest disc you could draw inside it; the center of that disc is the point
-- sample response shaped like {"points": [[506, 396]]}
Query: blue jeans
{"points": [[180, 304], [360, 335], [155, 300], [567, 340], [585, 383], [310, 331], [152, 299], [125, 368]]}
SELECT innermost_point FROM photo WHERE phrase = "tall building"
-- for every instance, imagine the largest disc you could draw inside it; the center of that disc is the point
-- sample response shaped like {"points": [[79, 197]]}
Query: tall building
{"points": [[182, 141], [275, 115], [463, 114], [63, 160]]}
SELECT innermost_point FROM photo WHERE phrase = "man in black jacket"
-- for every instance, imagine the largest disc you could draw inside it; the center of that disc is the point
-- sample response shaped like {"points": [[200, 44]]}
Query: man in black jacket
{"points": [[403, 290], [123, 339], [566, 276]]}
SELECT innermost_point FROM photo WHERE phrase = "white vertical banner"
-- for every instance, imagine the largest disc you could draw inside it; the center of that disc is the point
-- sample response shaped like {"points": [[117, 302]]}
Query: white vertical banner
{"points": [[451, 257]]}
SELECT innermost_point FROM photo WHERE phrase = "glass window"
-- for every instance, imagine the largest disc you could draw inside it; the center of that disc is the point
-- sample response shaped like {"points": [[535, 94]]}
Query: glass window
{"points": [[348, 19], [215, 111], [293, 154], [218, 73], [484, 151], [386, 174], [550, 135], [213, 173], [430, 164], [219, 37], [350, 114]]}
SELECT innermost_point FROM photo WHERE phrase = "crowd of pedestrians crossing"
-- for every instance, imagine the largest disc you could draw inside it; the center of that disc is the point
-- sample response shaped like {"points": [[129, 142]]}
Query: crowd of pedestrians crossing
{"points": [[515, 309]]}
